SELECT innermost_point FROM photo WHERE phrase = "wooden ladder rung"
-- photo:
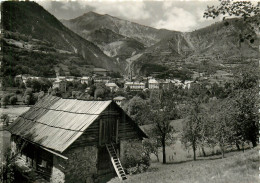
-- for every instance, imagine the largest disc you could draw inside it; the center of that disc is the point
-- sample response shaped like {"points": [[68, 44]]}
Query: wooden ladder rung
{"points": [[116, 162]]}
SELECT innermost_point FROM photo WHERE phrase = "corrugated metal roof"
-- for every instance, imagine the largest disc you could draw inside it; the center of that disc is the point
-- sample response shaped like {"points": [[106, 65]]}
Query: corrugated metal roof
{"points": [[56, 123]]}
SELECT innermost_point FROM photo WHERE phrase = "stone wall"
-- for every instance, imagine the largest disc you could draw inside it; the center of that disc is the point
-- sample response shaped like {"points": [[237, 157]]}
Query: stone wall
{"points": [[81, 167]]}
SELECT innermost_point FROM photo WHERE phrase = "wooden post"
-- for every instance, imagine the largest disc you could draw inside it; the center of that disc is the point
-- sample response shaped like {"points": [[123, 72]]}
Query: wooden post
{"points": [[117, 130], [100, 131]]}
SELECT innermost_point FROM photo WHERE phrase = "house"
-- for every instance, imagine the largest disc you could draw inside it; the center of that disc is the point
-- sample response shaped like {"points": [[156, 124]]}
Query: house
{"points": [[165, 84], [70, 78], [187, 84], [84, 79], [100, 71], [119, 100], [60, 84], [104, 79], [153, 84], [70, 140], [135, 85], [112, 86], [61, 78], [18, 79]]}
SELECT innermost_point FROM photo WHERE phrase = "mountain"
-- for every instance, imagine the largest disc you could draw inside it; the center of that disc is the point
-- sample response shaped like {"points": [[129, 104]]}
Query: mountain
{"points": [[115, 45], [91, 21], [37, 39], [223, 39], [217, 45], [163, 50], [27, 23]]}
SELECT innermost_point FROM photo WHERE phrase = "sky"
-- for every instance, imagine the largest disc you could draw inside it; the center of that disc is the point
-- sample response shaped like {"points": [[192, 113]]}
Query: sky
{"points": [[182, 16]]}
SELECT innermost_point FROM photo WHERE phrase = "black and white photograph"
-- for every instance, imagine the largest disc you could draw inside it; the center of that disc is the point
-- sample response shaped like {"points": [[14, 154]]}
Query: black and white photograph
{"points": [[140, 91]]}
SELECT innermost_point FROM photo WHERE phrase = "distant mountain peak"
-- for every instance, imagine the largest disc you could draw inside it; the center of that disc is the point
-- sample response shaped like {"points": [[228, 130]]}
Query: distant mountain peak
{"points": [[92, 13]]}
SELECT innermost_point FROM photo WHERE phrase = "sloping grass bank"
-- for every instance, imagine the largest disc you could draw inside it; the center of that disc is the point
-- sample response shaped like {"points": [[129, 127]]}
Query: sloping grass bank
{"points": [[237, 167]]}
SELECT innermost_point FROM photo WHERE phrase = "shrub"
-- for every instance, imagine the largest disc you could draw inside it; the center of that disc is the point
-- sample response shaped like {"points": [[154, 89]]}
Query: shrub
{"points": [[135, 160], [13, 100], [5, 100], [18, 92], [5, 119]]}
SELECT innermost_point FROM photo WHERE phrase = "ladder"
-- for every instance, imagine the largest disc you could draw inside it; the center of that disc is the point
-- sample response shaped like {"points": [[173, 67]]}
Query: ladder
{"points": [[116, 162]]}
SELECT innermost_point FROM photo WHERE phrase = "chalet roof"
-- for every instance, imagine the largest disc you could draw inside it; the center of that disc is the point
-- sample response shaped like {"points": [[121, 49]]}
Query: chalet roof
{"points": [[55, 123], [85, 77], [111, 85], [119, 98], [153, 81]]}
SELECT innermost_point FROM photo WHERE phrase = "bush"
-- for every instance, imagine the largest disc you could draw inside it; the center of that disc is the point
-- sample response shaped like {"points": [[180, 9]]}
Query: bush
{"points": [[5, 119], [18, 92], [135, 160], [5, 100], [13, 100]]}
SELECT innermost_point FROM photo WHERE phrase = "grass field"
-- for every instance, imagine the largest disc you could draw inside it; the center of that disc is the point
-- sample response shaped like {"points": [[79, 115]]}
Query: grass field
{"points": [[237, 167]]}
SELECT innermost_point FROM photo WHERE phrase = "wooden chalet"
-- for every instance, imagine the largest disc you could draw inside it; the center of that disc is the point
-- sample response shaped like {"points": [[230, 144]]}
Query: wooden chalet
{"points": [[70, 140]]}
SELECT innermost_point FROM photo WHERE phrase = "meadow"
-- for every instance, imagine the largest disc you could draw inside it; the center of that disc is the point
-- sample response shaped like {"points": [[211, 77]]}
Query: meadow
{"points": [[236, 167]]}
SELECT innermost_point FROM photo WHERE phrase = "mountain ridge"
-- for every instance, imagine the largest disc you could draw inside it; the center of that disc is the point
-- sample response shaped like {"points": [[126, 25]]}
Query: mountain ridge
{"points": [[34, 21]]}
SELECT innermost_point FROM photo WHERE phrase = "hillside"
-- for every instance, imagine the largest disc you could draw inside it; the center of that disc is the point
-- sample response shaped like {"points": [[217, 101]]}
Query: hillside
{"points": [[27, 23], [237, 167], [91, 21], [115, 45], [92, 40], [166, 52]]}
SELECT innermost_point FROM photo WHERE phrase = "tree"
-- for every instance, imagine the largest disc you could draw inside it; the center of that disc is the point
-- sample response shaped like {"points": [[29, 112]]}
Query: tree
{"points": [[151, 146], [91, 90], [6, 119], [28, 97], [221, 119], [163, 110], [247, 10], [246, 100], [7, 167], [192, 128], [138, 110], [5, 100], [101, 91]]}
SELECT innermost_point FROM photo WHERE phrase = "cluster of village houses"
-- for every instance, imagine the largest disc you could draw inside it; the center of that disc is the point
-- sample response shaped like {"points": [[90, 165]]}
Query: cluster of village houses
{"points": [[132, 84]]}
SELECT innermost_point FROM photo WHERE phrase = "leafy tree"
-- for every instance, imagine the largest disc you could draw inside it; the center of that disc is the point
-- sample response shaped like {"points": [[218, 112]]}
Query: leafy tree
{"points": [[246, 99], [91, 90], [138, 110], [247, 10], [128, 89], [40, 95], [5, 100], [163, 110], [101, 91], [220, 117], [6, 119], [151, 146], [28, 97], [192, 130]]}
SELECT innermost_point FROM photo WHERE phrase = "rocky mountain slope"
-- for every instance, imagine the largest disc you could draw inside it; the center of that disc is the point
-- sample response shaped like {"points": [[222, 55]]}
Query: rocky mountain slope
{"points": [[31, 21], [171, 49], [91, 21], [37, 38]]}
